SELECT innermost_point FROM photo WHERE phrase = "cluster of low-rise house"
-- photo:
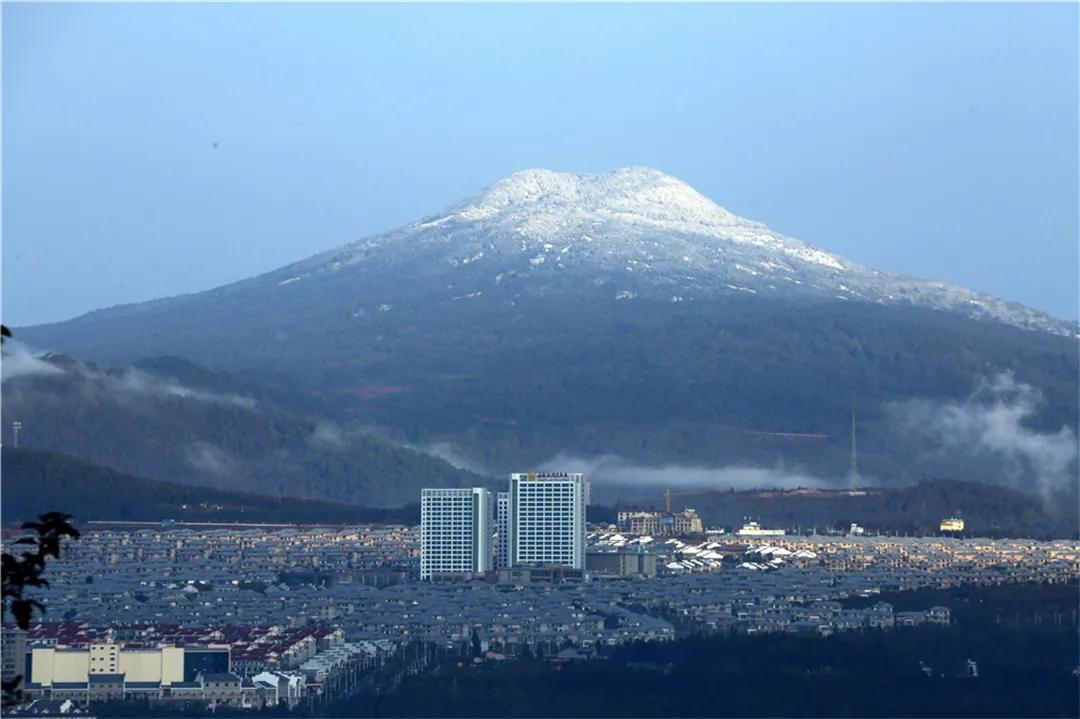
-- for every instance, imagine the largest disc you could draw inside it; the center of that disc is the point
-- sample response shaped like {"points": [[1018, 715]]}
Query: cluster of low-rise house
{"points": [[507, 618], [266, 596], [248, 667], [962, 560], [224, 576], [333, 554], [749, 605]]}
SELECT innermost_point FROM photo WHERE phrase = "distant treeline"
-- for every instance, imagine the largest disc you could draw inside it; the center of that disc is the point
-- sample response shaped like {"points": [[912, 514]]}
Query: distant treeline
{"points": [[1010, 603], [95, 492], [35, 481], [987, 510]]}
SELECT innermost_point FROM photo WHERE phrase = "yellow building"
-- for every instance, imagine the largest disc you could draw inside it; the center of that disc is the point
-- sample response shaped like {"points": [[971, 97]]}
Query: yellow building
{"points": [[952, 524], [60, 665]]}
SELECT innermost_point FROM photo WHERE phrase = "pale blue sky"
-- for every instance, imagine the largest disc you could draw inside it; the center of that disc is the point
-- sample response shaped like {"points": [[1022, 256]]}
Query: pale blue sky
{"points": [[153, 149]]}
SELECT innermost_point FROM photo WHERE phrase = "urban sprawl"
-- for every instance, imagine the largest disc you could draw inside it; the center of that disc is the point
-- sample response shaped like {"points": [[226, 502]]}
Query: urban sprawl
{"points": [[251, 617]]}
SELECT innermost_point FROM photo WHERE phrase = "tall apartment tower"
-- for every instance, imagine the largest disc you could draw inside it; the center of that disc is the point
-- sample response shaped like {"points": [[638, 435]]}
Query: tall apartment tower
{"points": [[547, 519], [502, 523], [455, 531], [13, 655]]}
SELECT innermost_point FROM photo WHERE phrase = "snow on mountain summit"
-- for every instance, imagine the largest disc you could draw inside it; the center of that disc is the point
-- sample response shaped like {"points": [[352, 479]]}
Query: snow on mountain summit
{"points": [[542, 201], [635, 232], [631, 193], [627, 203]]}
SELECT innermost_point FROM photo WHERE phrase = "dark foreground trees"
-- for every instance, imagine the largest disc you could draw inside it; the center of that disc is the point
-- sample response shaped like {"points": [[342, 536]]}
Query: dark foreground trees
{"points": [[25, 569], [1025, 669]]}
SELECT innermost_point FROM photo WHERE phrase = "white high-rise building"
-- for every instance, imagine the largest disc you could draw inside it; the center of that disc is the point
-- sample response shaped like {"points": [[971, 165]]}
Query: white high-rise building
{"points": [[502, 523], [547, 519], [455, 531]]}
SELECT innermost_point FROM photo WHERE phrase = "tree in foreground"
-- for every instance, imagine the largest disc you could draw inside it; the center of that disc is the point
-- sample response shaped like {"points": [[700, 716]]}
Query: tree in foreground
{"points": [[24, 570]]}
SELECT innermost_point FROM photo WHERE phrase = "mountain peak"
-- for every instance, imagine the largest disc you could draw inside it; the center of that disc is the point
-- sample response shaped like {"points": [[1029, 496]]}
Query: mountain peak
{"points": [[631, 232], [536, 183], [538, 201]]}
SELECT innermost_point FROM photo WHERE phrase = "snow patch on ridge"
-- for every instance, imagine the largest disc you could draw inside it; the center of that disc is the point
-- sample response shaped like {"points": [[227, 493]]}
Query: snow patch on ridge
{"points": [[651, 233]]}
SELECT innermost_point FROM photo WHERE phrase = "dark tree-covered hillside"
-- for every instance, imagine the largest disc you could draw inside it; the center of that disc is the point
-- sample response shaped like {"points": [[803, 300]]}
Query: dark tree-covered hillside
{"points": [[987, 510], [515, 380], [219, 436], [100, 493]]}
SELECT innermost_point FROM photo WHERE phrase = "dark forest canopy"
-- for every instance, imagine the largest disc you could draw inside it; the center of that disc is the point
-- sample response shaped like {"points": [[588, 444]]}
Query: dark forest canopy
{"points": [[1025, 669], [517, 380]]}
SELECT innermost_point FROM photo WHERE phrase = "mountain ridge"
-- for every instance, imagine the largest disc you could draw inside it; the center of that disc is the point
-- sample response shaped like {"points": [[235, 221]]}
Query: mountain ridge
{"points": [[640, 220], [553, 219]]}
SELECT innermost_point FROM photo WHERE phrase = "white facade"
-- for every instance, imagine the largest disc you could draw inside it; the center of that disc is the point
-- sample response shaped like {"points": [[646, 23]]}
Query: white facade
{"points": [[455, 531], [753, 529], [502, 521], [282, 687], [547, 519]]}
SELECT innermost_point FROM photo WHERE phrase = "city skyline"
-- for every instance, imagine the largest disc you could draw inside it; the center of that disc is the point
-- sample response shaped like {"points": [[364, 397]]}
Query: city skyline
{"points": [[540, 360]]}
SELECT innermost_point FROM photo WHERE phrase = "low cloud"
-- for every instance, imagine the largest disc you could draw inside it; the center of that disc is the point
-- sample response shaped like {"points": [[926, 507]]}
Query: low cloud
{"points": [[139, 382], [450, 454], [991, 422], [614, 470], [19, 362], [209, 458], [329, 434]]}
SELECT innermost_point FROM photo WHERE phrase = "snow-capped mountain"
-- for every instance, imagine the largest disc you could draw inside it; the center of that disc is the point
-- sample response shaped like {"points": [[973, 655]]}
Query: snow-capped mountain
{"points": [[622, 314], [632, 233]]}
